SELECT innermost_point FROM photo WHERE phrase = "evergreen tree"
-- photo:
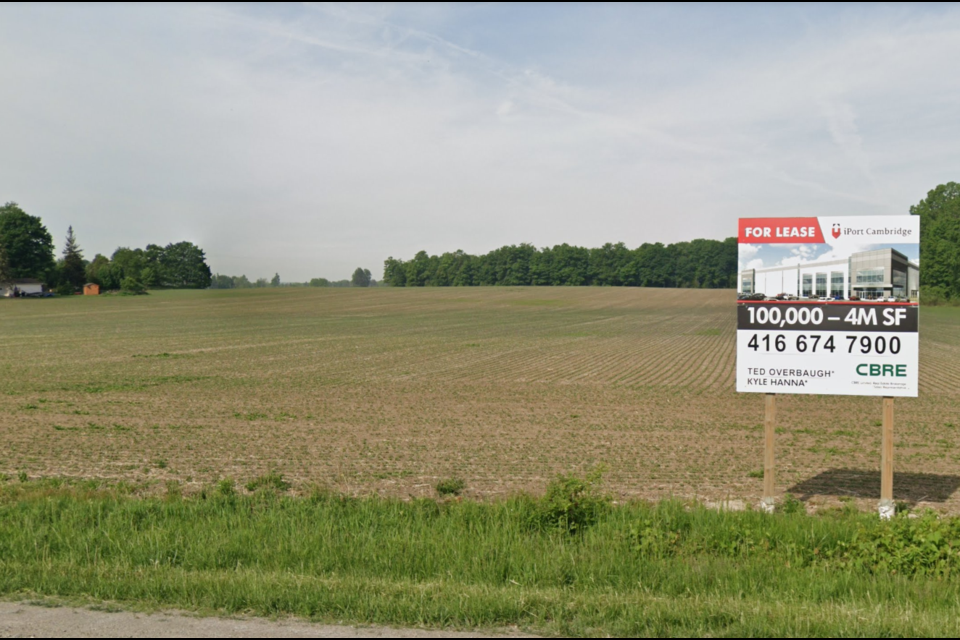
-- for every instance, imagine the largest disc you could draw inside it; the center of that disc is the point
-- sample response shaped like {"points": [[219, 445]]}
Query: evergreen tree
{"points": [[72, 269]]}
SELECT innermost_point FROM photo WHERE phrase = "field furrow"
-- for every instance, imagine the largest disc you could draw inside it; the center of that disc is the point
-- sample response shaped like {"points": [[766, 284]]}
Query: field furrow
{"points": [[389, 390]]}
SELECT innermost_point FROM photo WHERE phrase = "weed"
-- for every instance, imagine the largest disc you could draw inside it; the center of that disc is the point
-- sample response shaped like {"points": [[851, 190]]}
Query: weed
{"points": [[571, 503], [251, 416], [160, 463], [907, 546], [272, 481], [756, 473], [174, 490], [226, 487], [451, 487], [791, 505], [22, 477]]}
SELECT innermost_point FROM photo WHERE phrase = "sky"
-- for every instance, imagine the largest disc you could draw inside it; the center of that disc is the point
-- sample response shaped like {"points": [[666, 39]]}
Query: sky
{"points": [[765, 256], [312, 139]]}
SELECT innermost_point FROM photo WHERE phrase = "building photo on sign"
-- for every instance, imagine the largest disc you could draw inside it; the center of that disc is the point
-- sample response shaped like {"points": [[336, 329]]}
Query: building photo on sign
{"points": [[829, 305]]}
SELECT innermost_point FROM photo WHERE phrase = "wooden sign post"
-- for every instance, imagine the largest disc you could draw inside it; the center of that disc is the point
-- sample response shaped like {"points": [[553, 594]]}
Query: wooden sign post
{"points": [[769, 459], [887, 505]]}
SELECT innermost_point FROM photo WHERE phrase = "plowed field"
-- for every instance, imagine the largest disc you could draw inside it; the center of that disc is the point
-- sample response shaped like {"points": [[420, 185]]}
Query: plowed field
{"points": [[389, 391]]}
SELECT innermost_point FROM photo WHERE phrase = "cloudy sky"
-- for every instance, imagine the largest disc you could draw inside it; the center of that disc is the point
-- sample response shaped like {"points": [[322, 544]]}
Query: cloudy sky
{"points": [[312, 139]]}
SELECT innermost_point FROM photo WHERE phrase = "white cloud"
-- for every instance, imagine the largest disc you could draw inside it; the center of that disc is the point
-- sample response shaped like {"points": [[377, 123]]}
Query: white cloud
{"points": [[746, 253], [314, 141]]}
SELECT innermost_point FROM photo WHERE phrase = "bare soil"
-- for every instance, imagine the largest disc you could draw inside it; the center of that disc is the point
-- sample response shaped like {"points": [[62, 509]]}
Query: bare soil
{"points": [[389, 391]]}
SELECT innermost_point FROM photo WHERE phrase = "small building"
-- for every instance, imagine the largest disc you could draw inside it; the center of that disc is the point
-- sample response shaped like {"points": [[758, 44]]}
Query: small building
{"points": [[25, 286], [91, 289]]}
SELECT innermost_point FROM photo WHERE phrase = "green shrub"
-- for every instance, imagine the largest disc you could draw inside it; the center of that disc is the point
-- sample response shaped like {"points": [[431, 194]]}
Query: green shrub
{"points": [[132, 287], [905, 545], [937, 296], [451, 487], [571, 504]]}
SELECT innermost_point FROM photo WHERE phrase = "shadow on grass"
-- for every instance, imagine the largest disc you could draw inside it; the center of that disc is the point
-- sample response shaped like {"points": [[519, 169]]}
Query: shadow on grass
{"points": [[855, 483]]}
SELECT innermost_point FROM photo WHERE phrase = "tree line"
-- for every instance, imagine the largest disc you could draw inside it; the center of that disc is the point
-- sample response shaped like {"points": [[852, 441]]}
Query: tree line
{"points": [[697, 264], [361, 278], [708, 264], [27, 251]]}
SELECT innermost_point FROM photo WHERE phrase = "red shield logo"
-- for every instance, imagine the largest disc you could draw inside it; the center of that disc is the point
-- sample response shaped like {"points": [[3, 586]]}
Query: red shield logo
{"points": [[836, 231]]}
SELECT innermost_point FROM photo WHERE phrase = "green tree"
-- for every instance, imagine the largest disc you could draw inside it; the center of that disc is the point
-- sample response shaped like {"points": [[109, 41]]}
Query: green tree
{"points": [[700, 263], [154, 259], [940, 242], [221, 282], [99, 271], [361, 278], [132, 287], [127, 263], [27, 243], [394, 272], [184, 266], [275, 280], [72, 268], [5, 274], [149, 277], [319, 282]]}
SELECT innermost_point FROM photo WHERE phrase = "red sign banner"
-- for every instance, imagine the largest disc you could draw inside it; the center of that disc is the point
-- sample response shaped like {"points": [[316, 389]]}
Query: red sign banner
{"points": [[780, 230]]}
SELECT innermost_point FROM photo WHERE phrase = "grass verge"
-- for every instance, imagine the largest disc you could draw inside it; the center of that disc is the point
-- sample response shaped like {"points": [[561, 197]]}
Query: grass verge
{"points": [[635, 569]]}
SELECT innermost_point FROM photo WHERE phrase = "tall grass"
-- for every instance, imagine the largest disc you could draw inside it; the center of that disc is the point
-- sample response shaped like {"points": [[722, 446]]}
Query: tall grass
{"points": [[636, 569]]}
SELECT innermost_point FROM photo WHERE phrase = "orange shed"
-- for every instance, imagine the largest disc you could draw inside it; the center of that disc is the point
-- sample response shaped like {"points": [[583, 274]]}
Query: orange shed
{"points": [[91, 289]]}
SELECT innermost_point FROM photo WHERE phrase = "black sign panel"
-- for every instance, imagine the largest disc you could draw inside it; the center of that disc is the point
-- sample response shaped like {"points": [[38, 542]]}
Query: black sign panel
{"points": [[836, 316]]}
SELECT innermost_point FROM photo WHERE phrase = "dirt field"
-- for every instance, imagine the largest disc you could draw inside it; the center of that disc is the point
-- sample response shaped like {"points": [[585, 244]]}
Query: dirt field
{"points": [[390, 390]]}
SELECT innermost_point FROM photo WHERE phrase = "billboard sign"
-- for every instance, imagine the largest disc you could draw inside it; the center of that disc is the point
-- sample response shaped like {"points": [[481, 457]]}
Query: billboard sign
{"points": [[829, 305]]}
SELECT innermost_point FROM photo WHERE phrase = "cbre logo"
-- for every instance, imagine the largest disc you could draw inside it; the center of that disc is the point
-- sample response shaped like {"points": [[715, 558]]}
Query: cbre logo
{"points": [[836, 231], [882, 370]]}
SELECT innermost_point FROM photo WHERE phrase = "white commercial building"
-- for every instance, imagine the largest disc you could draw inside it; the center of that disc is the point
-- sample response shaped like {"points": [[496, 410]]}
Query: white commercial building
{"points": [[869, 275]]}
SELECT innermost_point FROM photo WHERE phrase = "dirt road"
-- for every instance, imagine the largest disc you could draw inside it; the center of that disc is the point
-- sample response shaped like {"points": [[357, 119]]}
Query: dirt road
{"points": [[18, 620]]}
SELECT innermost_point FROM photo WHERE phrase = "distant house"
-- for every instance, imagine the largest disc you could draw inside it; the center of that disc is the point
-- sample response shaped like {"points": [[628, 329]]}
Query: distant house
{"points": [[25, 285], [91, 289]]}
